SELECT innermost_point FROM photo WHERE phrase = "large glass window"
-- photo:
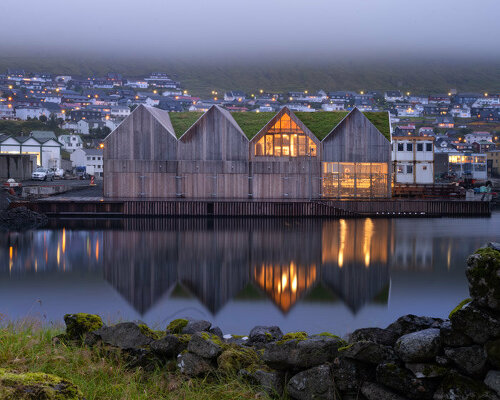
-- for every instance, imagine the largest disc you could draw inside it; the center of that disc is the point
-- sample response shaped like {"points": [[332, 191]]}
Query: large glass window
{"points": [[363, 180], [285, 139]]}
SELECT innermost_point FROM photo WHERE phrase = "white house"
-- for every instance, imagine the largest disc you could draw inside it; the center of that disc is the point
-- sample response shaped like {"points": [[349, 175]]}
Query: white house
{"points": [[138, 84], [25, 112], [71, 143], [48, 152], [91, 159], [333, 106], [120, 111], [460, 112], [413, 159], [476, 137], [393, 95], [6, 111], [81, 126]]}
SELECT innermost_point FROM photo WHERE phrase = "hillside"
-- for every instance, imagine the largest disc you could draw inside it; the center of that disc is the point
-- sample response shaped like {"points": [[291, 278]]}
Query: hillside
{"points": [[201, 79]]}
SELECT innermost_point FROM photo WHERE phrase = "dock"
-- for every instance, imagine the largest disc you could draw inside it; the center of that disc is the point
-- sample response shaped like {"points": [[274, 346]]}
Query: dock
{"points": [[95, 207]]}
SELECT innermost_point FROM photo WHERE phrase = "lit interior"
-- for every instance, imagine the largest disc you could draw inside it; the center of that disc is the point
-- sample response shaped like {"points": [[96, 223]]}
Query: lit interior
{"points": [[365, 180], [285, 139]]}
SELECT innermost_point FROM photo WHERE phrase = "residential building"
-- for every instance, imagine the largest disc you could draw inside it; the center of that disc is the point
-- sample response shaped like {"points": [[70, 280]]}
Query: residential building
{"points": [[91, 159], [235, 95], [476, 137], [468, 164], [393, 95], [46, 150], [413, 159], [30, 112], [445, 122], [493, 162], [292, 155], [84, 113], [71, 143], [426, 131]]}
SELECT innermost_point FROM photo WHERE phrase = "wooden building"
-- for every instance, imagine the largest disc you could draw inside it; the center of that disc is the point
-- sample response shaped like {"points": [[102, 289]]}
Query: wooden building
{"points": [[246, 155]]}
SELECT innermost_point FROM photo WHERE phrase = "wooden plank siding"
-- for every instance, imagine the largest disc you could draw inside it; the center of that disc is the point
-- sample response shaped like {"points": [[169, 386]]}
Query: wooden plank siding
{"points": [[214, 159]]}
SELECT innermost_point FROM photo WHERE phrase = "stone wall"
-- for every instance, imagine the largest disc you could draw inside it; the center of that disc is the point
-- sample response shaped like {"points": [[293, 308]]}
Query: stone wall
{"points": [[413, 358]]}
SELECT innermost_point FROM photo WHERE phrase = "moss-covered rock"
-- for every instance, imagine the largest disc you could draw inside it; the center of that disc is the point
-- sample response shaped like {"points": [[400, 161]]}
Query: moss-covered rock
{"points": [[77, 325], [483, 273], [177, 325], [36, 386], [236, 358], [297, 336], [456, 386], [147, 331], [206, 345], [460, 305]]}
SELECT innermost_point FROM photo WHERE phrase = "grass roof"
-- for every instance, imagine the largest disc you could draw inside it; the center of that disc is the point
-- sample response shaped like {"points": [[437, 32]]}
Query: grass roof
{"points": [[252, 122], [182, 121], [321, 123], [381, 122]]}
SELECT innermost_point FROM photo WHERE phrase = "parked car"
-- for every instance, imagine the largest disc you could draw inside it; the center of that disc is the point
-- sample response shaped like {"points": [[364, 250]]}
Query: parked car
{"points": [[42, 174], [58, 173]]}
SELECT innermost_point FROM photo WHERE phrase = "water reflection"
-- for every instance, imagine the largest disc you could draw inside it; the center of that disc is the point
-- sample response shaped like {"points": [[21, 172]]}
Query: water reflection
{"points": [[219, 261]]}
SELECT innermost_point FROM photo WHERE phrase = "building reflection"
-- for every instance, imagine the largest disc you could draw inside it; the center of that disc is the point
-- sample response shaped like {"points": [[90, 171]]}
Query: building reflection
{"points": [[221, 260]]}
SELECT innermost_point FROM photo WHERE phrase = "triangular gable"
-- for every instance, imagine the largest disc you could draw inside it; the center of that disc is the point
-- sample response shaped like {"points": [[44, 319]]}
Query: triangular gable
{"points": [[354, 112], [293, 118], [205, 115], [162, 117], [32, 142], [50, 142], [230, 118], [11, 140]]}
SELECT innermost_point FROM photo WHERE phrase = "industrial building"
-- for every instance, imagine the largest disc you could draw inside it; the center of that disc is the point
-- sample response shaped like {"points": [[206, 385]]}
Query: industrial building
{"points": [[249, 155]]}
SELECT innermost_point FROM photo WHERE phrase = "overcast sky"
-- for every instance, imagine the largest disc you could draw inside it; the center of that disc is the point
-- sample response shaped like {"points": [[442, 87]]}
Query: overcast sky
{"points": [[235, 28]]}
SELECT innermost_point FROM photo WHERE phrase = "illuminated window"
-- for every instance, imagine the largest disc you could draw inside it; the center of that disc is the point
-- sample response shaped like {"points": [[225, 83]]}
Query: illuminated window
{"points": [[285, 139], [363, 180]]}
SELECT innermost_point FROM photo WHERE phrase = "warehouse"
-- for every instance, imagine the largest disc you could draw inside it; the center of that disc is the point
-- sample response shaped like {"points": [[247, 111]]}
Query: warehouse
{"points": [[248, 155]]}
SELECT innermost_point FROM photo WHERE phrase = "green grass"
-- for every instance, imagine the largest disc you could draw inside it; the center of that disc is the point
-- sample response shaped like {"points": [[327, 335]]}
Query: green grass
{"points": [[27, 347], [381, 122], [321, 123], [182, 121], [252, 122], [25, 127]]}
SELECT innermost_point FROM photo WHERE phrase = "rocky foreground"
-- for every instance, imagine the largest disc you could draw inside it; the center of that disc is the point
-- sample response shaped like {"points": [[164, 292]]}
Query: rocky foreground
{"points": [[413, 358]]}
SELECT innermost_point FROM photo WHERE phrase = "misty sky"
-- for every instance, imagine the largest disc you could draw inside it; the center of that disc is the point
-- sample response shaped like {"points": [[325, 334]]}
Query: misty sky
{"points": [[238, 28]]}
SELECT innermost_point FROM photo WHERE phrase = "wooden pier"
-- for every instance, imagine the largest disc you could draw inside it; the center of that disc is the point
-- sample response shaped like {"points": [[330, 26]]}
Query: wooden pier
{"points": [[95, 207]]}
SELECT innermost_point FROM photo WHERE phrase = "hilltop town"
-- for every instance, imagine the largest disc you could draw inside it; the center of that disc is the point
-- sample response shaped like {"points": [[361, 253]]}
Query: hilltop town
{"points": [[62, 120]]}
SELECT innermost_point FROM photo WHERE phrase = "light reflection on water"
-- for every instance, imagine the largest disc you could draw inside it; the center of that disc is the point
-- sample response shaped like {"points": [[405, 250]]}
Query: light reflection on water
{"points": [[307, 274]]}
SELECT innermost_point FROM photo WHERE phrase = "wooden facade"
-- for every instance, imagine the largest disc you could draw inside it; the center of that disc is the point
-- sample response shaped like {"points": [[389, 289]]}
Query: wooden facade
{"points": [[213, 159]]}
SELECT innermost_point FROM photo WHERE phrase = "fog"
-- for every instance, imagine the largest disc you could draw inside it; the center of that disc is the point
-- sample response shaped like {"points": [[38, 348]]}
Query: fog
{"points": [[257, 29]]}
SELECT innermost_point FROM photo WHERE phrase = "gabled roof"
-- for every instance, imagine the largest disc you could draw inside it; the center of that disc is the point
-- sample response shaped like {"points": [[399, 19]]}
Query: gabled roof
{"points": [[380, 120], [161, 116], [43, 135]]}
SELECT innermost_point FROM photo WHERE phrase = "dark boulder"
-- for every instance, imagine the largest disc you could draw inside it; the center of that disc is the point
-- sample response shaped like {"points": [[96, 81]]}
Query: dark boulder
{"points": [[348, 374], [196, 326], [369, 352], [205, 345], [412, 323], [298, 354], [264, 334], [126, 335], [470, 360], [419, 346], [272, 382], [493, 352], [404, 382], [479, 323], [168, 346], [312, 384], [458, 387], [374, 391], [427, 370], [193, 365], [483, 273], [453, 338], [385, 337]]}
